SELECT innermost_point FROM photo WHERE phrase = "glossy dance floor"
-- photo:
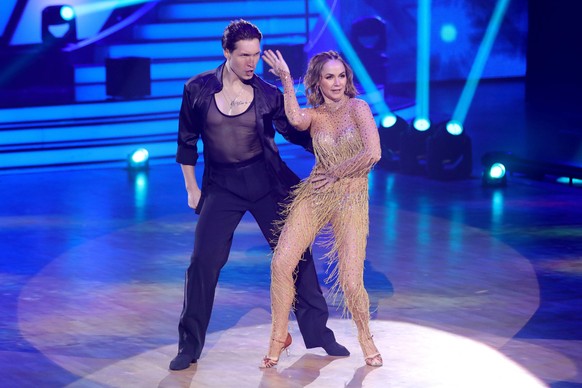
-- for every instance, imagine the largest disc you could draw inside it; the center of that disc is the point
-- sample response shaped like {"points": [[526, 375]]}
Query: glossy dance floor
{"points": [[470, 287]]}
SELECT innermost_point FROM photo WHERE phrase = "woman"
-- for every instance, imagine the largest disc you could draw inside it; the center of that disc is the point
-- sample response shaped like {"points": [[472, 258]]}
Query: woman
{"points": [[334, 198]]}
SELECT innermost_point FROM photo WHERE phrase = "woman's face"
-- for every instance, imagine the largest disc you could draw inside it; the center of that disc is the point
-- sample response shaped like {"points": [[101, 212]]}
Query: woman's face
{"points": [[332, 80]]}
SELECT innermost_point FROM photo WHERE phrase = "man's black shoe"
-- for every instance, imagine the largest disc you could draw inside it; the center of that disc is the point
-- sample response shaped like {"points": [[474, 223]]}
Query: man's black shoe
{"points": [[182, 361], [335, 349]]}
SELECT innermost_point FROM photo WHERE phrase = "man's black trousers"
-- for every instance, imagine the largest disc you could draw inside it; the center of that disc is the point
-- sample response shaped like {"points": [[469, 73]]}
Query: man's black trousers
{"points": [[231, 193]]}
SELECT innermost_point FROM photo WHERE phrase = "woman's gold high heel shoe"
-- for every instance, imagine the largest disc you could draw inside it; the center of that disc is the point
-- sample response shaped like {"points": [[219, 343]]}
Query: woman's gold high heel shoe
{"points": [[268, 361], [374, 360]]}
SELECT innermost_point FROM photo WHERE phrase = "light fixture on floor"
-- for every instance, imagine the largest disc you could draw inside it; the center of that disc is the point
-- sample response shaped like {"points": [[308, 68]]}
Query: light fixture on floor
{"points": [[449, 152], [390, 130], [413, 146], [494, 175], [138, 159], [495, 169]]}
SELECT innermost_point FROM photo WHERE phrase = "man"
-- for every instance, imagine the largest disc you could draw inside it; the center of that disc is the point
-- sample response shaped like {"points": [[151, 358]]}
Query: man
{"points": [[235, 113]]}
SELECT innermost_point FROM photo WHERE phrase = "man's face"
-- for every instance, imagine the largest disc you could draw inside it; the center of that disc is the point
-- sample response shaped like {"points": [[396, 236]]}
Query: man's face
{"points": [[244, 58]]}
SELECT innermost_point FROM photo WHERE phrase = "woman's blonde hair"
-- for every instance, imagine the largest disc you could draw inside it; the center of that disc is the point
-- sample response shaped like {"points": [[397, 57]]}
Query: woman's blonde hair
{"points": [[313, 75]]}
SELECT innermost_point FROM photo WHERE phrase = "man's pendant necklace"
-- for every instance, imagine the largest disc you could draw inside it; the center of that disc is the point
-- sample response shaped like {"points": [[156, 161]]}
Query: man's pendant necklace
{"points": [[234, 101]]}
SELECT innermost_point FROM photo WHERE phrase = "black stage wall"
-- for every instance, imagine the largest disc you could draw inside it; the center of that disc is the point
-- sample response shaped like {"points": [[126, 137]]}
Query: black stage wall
{"points": [[554, 81]]}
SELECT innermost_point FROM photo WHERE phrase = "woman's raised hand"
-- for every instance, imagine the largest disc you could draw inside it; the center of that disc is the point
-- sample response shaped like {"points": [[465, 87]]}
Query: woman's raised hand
{"points": [[276, 61]]}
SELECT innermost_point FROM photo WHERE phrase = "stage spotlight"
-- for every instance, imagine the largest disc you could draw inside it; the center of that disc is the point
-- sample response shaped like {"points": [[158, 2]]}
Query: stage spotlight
{"points": [[495, 168], [455, 128], [449, 153], [496, 171], [494, 175], [67, 13], [448, 32], [497, 164], [569, 181], [413, 150], [138, 159], [59, 25], [369, 39], [391, 129], [421, 124], [388, 120]]}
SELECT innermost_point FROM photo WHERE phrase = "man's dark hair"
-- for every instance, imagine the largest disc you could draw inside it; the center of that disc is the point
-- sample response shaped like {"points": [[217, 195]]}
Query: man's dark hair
{"points": [[239, 30]]}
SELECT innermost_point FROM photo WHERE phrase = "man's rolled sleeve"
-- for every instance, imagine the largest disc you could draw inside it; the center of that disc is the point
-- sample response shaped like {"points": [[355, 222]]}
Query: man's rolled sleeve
{"points": [[188, 132]]}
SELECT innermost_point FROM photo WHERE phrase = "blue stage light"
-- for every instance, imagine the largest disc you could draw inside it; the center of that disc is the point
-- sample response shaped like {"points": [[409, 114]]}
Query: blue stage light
{"points": [[423, 56], [388, 120], [421, 124], [391, 129], [476, 71], [449, 153], [496, 171], [58, 25], [569, 181], [448, 32], [138, 159], [455, 128], [494, 175], [67, 13]]}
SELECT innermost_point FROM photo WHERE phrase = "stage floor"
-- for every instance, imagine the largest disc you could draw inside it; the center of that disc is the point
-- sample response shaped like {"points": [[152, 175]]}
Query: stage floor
{"points": [[470, 287]]}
